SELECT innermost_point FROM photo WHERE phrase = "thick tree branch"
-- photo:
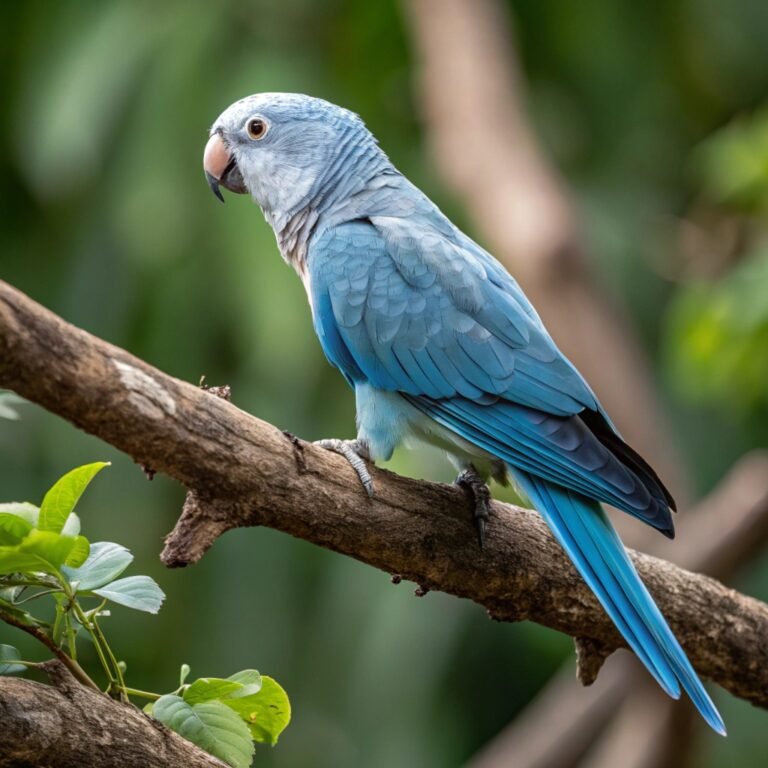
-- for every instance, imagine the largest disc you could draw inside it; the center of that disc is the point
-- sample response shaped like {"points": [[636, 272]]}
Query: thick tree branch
{"points": [[66, 725], [245, 472]]}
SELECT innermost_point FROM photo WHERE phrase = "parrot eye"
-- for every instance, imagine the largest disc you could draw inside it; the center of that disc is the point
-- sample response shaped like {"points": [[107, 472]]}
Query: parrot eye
{"points": [[256, 128]]}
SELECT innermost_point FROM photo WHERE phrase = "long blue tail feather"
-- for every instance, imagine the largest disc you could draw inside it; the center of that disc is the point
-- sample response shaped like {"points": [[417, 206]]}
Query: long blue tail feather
{"points": [[586, 534]]}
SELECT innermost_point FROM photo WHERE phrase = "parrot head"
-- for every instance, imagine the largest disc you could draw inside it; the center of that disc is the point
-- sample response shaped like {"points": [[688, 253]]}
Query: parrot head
{"points": [[282, 148]]}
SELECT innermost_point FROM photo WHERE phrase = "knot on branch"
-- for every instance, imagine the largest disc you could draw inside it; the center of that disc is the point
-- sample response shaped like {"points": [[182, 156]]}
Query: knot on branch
{"points": [[202, 521], [590, 657], [61, 678], [224, 392]]}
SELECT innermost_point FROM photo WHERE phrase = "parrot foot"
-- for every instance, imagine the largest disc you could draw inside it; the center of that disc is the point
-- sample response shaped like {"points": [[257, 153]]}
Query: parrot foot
{"points": [[356, 453], [481, 496]]}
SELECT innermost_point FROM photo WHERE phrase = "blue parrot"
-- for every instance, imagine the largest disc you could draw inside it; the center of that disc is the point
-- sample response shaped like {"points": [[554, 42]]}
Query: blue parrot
{"points": [[440, 345]]}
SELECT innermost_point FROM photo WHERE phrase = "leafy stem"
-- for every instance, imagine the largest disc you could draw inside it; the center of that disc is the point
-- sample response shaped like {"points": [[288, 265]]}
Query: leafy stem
{"points": [[36, 595], [97, 633], [142, 694], [98, 644], [28, 664]]}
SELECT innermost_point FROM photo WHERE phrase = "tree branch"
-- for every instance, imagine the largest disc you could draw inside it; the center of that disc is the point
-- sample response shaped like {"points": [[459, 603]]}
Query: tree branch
{"points": [[245, 472], [66, 724]]}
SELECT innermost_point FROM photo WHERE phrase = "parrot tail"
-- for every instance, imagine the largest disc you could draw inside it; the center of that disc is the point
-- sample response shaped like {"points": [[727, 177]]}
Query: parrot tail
{"points": [[584, 531]]}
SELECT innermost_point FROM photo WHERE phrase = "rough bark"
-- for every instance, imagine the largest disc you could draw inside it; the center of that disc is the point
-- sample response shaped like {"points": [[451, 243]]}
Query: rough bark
{"points": [[66, 725], [245, 472]]}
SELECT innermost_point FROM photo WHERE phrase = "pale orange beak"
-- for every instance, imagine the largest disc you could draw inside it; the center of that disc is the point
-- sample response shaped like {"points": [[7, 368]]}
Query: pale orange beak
{"points": [[220, 168]]}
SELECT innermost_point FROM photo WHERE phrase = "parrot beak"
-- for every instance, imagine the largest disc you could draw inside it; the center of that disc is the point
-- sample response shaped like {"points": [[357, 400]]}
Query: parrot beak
{"points": [[221, 169]]}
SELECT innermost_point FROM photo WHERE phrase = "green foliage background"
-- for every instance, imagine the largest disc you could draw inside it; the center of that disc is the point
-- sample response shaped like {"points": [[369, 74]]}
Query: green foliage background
{"points": [[656, 113]]}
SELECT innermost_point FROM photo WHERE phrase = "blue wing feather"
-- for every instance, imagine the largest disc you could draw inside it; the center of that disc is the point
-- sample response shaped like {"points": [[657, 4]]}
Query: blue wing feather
{"points": [[560, 449], [335, 348], [480, 337]]}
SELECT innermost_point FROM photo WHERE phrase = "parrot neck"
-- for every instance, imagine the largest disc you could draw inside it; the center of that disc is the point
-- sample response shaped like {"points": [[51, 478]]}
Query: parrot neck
{"points": [[346, 190], [294, 234]]}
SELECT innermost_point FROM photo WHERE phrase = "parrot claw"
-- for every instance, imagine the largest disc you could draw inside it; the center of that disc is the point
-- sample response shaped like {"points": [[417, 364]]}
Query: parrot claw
{"points": [[356, 453], [481, 497]]}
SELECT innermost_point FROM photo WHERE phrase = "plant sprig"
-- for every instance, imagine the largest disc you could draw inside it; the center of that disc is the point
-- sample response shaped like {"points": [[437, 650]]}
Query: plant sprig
{"points": [[43, 556]]}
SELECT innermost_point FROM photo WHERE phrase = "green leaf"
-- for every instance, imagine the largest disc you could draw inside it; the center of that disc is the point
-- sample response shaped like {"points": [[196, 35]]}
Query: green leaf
{"points": [[210, 725], [79, 553], [61, 499], [209, 688], [267, 712], [105, 562], [22, 509], [12, 529], [9, 654], [139, 592], [29, 514], [184, 673], [40, 551], [250, 679]]}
